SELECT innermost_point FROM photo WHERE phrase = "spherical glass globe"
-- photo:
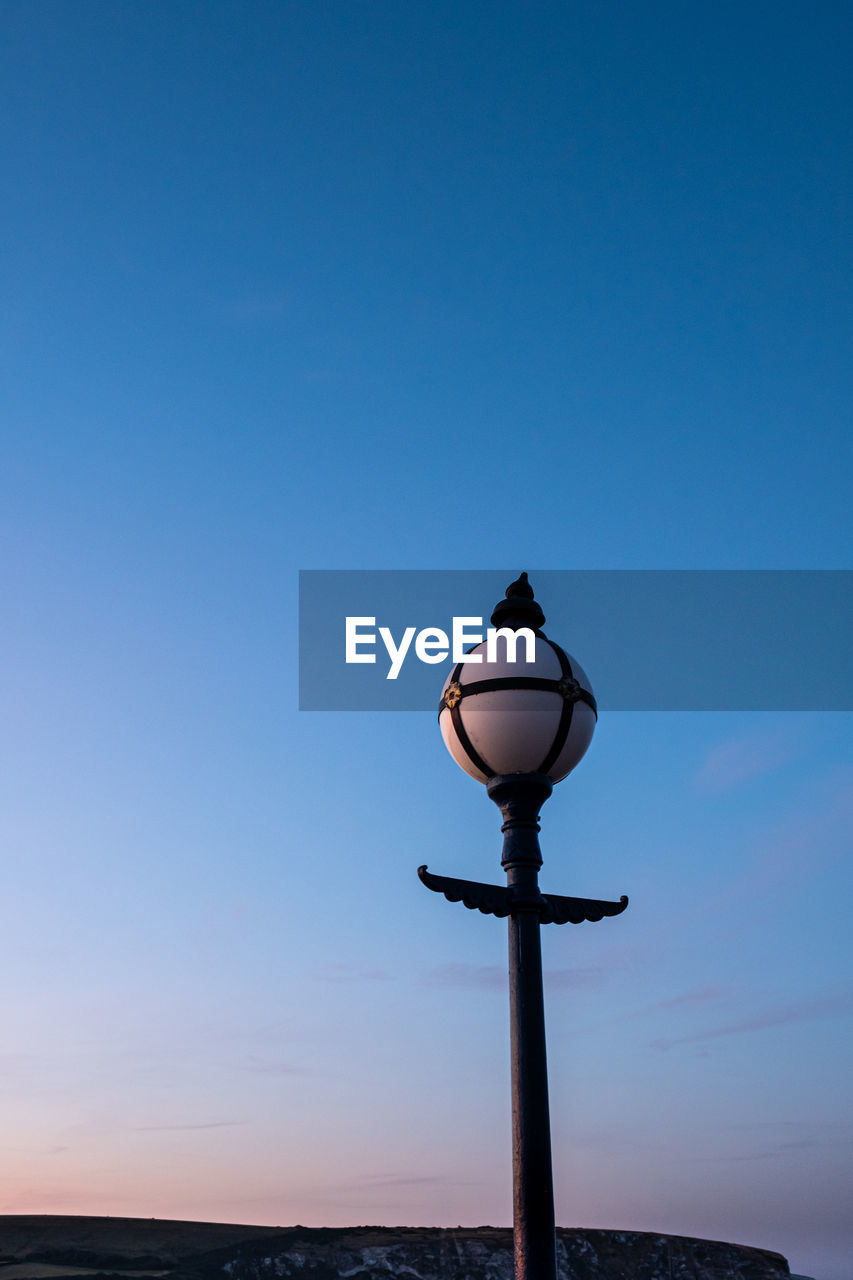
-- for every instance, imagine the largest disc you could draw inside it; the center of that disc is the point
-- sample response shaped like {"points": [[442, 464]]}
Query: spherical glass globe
{"points": [[530, 717]]}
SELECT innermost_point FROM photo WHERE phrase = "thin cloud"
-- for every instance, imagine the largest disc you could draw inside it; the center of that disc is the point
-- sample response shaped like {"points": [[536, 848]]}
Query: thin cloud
{"points": [[781, 857], [825, 1134], [59, 1198], [491, 977], [481, 976], [769, 1124], [733, 1159], [801, 1011], [403, 1180], [692, 999], [833, 1128], [778, 1152], [732, 763], [352, 973], [180, 1128], [259, 1067], [574, 979]]}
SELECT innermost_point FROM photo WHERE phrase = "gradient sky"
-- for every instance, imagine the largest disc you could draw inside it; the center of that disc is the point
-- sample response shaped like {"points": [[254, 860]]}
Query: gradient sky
{"points": [[374, 285]]}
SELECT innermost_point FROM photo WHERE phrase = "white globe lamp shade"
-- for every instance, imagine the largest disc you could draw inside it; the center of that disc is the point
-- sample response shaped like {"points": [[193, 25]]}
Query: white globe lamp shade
{"points": [[507, 717]]}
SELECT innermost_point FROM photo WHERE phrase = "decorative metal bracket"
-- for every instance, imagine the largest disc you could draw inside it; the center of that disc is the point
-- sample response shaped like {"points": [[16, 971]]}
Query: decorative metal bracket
{"points": [[500, 901]]}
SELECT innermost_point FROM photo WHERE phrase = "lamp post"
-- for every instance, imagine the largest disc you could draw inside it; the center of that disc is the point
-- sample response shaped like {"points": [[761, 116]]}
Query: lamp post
{"points": [[519, 727]]}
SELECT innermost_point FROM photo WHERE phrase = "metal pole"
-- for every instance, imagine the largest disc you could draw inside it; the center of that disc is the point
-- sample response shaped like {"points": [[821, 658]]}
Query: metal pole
{"points": [[520, 798]]}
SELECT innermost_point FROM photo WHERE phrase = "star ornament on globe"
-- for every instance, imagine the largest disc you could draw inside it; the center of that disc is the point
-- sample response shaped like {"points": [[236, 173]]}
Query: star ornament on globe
{"points": [[508, 716]]}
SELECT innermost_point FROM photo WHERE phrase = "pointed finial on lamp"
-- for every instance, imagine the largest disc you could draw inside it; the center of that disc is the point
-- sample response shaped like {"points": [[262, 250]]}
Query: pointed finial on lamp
{"points": [[521, 587], [518, 609]]}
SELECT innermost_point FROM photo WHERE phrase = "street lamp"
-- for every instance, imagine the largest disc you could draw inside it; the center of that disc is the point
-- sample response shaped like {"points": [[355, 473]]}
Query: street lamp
{"points": [[519, 734]]}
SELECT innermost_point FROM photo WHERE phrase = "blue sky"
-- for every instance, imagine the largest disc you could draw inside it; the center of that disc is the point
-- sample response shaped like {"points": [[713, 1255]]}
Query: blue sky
{"points": [[380, 286]]}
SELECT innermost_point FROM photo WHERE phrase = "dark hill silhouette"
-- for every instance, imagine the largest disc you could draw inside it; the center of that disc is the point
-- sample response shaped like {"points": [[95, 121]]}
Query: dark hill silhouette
{"points": [[35, 1247]]}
